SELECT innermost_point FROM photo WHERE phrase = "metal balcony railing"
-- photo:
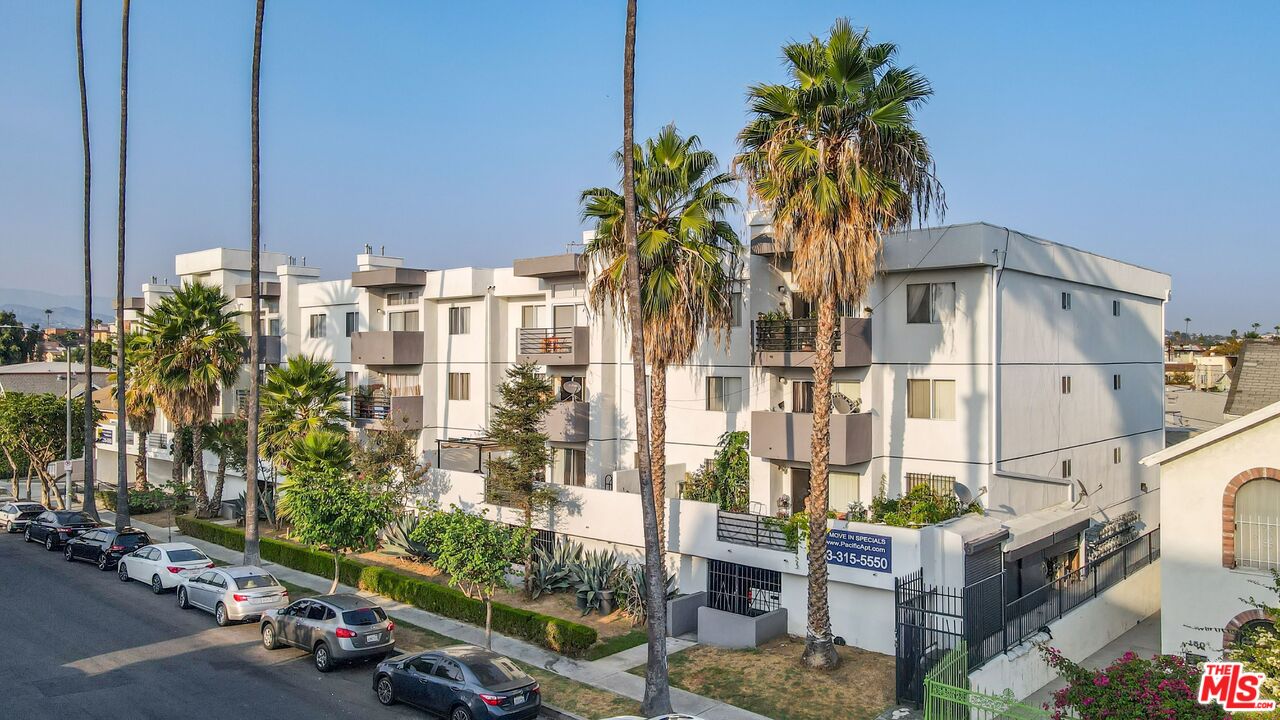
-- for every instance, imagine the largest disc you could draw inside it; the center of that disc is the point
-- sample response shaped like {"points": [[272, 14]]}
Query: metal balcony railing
{"points": [[158, 441], [545, 341], [747, 529], [376, 406], [789, 335]]}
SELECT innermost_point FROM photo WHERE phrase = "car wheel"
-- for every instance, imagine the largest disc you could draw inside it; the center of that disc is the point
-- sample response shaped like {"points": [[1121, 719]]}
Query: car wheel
{"points": [[460, 713], [157, 587], [26, 535], [66, 553], [220, 614], [269, 637], [386, 694], [102, 562], [182, 598], [322, 659], [48, 543], [122, 572]]}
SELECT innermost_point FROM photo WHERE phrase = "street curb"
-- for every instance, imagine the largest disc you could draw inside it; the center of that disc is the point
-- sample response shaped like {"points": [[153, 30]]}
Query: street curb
{"points": [[556, 713]]}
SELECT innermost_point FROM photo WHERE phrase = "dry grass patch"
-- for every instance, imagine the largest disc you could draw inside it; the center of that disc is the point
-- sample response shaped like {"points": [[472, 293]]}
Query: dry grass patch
{"points": [[771, 680]]}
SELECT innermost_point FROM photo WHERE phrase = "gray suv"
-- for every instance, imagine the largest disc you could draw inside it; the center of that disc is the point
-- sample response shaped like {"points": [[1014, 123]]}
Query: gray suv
{"points": [[333, 628]]}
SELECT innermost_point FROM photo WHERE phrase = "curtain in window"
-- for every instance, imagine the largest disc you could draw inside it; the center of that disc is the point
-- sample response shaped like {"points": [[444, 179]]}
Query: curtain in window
{"points": [[918, 303], [1258, 525], [944, 399], [843, 490], [918, 402]]}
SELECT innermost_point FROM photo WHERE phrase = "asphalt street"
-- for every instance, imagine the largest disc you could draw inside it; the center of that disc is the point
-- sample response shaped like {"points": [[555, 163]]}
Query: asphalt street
{"points": [[78, 643]]}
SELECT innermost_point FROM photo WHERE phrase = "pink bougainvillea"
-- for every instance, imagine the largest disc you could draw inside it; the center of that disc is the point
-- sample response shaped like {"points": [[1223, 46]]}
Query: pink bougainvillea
{"points": [[1131, 688]]}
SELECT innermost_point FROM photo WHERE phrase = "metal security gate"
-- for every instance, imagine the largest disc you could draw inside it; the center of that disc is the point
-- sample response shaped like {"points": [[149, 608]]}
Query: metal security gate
{"points": [[947, 695], [930, 623]]}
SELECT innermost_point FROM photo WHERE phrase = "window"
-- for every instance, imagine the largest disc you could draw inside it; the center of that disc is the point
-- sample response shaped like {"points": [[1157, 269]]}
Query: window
{"points": [[570, 388], [564, 316], [446, 669], [940, 485], [1115, 456], [1258, 524], [1115, 308], [422, 666], [317, 327], [724, 393], [931, 399], [930, 302], [1066, 301], [570, 467], [1066, 468], [843, 490], [407, 320], [459, 386], [459, 320], [742, 589], [529, 316], [353, 380], [735, 308], [1115, 382], [1066, 384], [802, 396], [353, 323]]}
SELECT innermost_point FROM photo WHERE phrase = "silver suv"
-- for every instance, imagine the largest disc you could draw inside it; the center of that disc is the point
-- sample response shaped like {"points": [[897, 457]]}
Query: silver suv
{"points": [[333, 628]]}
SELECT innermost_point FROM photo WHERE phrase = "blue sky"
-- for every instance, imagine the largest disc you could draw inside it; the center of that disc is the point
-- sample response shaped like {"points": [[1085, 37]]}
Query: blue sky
{"points": [[461, 133]]}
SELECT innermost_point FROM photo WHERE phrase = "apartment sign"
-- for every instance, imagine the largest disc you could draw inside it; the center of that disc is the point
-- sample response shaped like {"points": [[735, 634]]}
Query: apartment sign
{"points": [[863, 551]]}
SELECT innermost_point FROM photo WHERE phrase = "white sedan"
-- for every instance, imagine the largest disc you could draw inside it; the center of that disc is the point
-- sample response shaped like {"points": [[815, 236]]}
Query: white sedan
{"points": [[161, 565]]}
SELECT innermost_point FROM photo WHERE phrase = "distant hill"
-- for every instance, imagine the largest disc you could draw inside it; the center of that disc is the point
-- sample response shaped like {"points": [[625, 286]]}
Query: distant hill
{"points": [[29, 307]]}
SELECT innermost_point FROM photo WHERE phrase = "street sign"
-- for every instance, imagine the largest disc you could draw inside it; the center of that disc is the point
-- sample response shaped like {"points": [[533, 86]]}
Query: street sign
{"points": [[863, 551], [66, 466]]}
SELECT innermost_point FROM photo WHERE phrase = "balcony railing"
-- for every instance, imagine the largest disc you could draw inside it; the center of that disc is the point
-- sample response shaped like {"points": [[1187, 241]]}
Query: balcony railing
{"points": [[370, 407], [792, 342], [552, 346], [158, 442], [380, 409], [789, 335], [747, 529]]}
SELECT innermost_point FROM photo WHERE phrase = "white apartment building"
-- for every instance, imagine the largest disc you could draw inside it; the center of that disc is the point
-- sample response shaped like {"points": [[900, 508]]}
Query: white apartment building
{"points": [[1014, 371]]}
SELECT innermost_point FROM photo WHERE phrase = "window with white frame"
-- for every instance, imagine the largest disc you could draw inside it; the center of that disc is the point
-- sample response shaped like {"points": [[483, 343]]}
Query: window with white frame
{"points": [[569, 466], [405, 320], [1066, 301], [317, 326], [931, 399], [930, 302], [459, 386], [352, 323], [459, 320], [1258, 524], [1066, 468], [1066, 384], [529, 316], [843, 490], [724, 393], [1115, 456]]}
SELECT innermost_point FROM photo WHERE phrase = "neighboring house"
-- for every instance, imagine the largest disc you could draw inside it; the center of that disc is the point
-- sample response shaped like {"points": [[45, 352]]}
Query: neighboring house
{"points": [[1009, 370], [1213, 372], [1175, 368], [48, 377], [1221, 491], [1255, 382]]}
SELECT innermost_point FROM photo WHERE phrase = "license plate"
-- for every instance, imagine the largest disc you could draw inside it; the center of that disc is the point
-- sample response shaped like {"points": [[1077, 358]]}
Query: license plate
{"points": [[375, 637], [517, 699], [262, 600]]}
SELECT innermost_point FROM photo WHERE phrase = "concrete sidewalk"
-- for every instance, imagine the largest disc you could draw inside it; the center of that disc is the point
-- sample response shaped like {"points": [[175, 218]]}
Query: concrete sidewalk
{"points": [[609, 673], [1143, 639]]}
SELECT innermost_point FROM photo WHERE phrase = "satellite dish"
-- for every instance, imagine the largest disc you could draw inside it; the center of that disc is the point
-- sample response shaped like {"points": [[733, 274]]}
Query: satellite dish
{"points": [[841, 403], [573, 387], [963, 494]]}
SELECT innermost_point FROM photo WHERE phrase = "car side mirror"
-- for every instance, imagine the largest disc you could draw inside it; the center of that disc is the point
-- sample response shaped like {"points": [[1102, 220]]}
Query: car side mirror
{"points": [[280, 611]]}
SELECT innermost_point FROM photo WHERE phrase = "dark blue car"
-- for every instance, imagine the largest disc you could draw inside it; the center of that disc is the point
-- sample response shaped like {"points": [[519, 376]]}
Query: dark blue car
{"points": [[460, 682]]}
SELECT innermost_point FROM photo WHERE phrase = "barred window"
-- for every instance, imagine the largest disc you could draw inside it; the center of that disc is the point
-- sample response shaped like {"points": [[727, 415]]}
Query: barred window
{"points": [[1258, 525], [742, 589], [940, 485]]}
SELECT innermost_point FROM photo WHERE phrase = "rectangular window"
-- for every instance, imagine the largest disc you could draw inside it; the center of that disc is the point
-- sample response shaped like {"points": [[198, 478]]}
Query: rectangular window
{"points": [[735, 307], [529, 316], [1066, 468], [317, 327], [407, 320], [802, 396], [1115, 382], [571, 467], [931, 399], [742, 589], [724, 393], [564, 316], [930, 302], [570, 388], [1066, 301], [459, 386], [941, 485], [1066, 384], [843, 490], [1115, 308], [459, 320], [353, 380], [353, 323], [1115, 456]]}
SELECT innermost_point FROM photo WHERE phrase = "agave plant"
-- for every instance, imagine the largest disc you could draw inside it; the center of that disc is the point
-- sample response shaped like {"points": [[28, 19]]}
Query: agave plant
{"points": [[266, 506], [553, 571], [397, 540], [596, 580], [632, 591]]}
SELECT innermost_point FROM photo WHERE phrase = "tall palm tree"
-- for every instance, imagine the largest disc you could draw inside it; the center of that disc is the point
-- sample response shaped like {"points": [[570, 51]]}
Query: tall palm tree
{"points": [[687, 256], [198, 348], [139, 399], [657, 691], [298, 397], [90, 501], [251, 552], [836, 156], [122, 485]]}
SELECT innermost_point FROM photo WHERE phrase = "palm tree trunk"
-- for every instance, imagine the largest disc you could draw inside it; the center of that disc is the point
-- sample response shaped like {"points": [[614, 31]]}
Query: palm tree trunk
{"points": [[251, 551], [197, 462], [140, 471], [215, 499], [819, 648], [657, 692], [658, 446], [122, 484], [90, 502]]}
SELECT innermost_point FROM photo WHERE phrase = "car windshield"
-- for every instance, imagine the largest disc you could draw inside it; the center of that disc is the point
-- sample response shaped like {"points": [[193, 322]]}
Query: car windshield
{"points": [[364, 616], [252, 582], [132, 540], [73, 518], [31, 508], [499, 671], [186, 555]]}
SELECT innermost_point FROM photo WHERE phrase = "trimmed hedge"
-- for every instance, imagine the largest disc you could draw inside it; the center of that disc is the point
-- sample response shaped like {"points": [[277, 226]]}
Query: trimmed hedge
{"points": [[140, 501], [558, 634]]}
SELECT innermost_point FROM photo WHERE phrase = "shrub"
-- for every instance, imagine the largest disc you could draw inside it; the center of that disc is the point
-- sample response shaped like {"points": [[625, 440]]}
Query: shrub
{"points": [[562, 636], [140, 501], [1131, 688]]}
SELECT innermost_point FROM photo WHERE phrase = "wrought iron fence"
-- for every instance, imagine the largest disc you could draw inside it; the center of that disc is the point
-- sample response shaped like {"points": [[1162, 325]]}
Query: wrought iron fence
{"points": [[748, 529], [798, 335], [376, 406], [948, 696], [545, 341], [742, 589]]}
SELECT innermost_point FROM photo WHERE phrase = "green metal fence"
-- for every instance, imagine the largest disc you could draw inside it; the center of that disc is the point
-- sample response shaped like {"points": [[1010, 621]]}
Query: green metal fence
{"points": [[947, 695]]}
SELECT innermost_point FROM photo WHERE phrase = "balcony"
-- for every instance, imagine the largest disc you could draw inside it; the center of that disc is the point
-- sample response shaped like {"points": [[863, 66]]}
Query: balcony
{"points": [[132, 303], [268, 350], [265, 290], [568, 421], [787, 436], [553, 346], [751, 530], [790, 343], [550, 266], [379, 411], [387, 347], [389, 277]]}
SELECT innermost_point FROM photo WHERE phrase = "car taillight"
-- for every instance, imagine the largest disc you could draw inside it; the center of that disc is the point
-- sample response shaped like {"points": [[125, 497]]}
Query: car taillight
{"points": [[535, 688], [391, 625], [284, 593], [344, 633], [174, 569], [489, 699], [116, 548], [209, 565], [239, 598]]}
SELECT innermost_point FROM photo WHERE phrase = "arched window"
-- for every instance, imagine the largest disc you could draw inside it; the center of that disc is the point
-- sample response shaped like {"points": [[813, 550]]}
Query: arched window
{"points": [[1257, 514], [1248, 632]]}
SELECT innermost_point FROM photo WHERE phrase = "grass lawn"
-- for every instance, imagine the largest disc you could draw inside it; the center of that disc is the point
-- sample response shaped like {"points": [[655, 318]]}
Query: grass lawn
{"points": [[772, 681], [617, 644]]}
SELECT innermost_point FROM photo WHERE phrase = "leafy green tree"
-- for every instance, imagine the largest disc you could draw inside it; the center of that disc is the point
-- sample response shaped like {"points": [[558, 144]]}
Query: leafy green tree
{"points": [[328, 507], [475, 553], [302, 396], [388, 459], [101, 351], [35, 425], [14, 345], [196, 348], [726, 481], [226, 439], [524, 399], [835, 155]]}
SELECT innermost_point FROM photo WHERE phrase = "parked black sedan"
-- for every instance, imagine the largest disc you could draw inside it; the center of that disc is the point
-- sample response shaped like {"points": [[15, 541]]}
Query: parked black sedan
{"points": [[105, 546], [55, 527], [460, 682]]}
